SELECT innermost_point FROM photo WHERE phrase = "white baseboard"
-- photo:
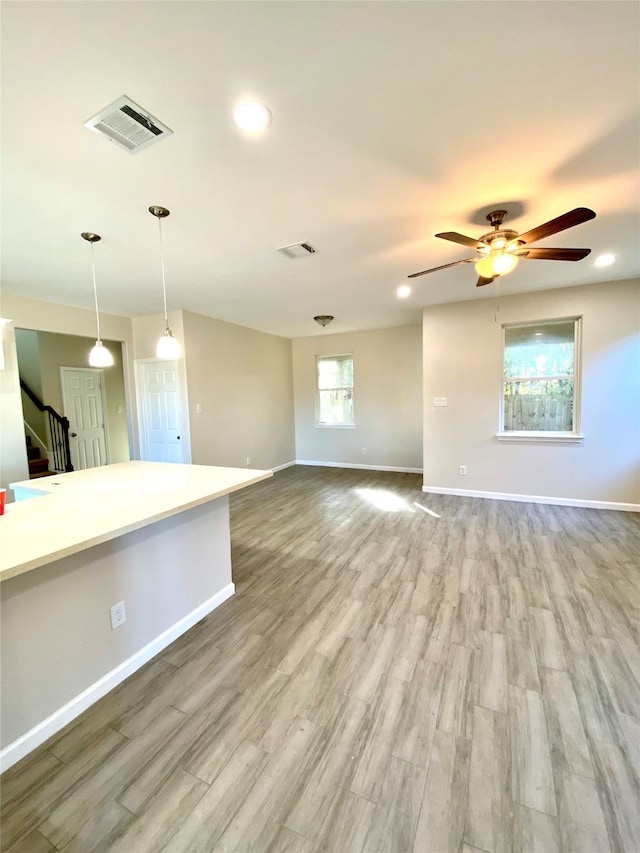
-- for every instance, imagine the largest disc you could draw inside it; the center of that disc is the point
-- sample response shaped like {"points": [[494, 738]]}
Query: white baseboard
{"points": [[533, 499], [56, 721], [363, 467], [282, 467]]}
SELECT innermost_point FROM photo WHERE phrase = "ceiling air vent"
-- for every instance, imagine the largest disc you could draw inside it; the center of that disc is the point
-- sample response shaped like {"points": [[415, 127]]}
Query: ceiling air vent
{"points": [[128, 125], [297, 250]]}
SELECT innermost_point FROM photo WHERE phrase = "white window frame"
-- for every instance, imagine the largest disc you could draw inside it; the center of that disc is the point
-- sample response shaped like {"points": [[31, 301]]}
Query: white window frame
{"points": [[318, 424], [546, 435]]}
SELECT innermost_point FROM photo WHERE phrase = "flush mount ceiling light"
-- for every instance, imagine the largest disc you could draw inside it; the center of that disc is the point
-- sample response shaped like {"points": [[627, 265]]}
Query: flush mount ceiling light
{"points": [[403, 291], [167, 347], [323, 319], [605, 260], [252, 117], [99, 355]]}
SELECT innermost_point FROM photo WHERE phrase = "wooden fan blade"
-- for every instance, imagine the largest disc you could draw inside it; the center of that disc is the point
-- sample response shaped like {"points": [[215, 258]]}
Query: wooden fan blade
{"points": [[482, 281], [454, 237], [443, 267], [557, 254], [561, 223]]}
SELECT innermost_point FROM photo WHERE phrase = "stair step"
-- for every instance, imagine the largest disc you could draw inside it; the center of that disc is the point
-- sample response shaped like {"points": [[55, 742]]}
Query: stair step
{"points": [[35, 476], [38, 465]]}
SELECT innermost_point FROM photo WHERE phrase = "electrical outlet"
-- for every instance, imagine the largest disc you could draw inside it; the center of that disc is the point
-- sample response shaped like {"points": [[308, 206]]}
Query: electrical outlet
{"points": [[248, 460], [364, 451], [118, 615], [198, 408], [463, 470]]}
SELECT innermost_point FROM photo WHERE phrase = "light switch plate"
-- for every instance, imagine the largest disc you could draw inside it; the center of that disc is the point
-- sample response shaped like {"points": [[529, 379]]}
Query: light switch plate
{"points": [[440, 402]]}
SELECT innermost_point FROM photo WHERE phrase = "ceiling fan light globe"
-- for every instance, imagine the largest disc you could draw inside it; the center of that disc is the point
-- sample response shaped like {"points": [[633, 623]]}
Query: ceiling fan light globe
{"points": [[168, 347], [484, 267], [100, 356], [505, 263]]}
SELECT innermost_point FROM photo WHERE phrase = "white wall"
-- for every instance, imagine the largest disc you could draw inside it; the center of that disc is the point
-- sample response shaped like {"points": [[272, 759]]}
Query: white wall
{"points": [[29, 359], [13, 450], [463, 361], [387, 366], [29, 370], [243, 381]]}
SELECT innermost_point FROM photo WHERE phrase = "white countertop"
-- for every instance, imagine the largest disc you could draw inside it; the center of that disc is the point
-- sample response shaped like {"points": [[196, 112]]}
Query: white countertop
{"points": [[84, 508]]}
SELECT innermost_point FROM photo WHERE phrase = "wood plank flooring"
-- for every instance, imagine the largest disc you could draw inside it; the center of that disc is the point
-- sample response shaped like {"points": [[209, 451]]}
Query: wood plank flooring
{"points": [[385, 680]]}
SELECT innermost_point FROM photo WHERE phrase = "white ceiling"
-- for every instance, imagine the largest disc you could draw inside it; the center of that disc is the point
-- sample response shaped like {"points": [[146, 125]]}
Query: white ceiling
{"points": [[392, 121]]}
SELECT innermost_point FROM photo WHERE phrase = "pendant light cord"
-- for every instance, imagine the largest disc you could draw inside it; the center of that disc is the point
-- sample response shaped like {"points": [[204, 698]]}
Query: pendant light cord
{"points": [[95, 290], [164, 285]]}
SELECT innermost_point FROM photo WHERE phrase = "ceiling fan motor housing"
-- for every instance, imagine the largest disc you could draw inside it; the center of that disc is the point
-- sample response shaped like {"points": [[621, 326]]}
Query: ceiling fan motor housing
{"points": [[502, 234]]}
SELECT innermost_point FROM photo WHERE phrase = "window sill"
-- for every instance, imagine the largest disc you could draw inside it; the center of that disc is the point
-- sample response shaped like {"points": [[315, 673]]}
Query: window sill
{"points": [[335, 426], [559, 437]]}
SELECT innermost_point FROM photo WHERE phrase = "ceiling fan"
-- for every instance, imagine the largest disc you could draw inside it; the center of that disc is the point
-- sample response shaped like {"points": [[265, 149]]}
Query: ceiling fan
{"points": [[500, 251]]}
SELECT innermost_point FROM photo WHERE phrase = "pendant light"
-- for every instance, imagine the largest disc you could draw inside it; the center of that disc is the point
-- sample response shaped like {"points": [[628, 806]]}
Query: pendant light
{"points": [[167, 347], [99, 355]]}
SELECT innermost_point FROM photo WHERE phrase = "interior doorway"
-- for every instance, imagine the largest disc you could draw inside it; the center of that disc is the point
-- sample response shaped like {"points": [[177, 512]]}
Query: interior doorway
{"points": [[159, 411], [41, 355], [83, 396]]}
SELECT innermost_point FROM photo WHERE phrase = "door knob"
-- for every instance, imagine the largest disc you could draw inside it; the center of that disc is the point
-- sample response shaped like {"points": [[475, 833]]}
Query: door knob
{"points": [[178, 438], [73, 434]]}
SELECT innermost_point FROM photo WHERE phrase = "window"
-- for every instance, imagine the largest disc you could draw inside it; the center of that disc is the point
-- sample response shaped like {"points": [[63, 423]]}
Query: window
{"points": [[540, 387], [334, 405]]}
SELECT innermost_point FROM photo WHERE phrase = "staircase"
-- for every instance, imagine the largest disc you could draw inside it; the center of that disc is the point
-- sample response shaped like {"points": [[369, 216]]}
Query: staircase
{"points": [[38, 467], [58, 440]]}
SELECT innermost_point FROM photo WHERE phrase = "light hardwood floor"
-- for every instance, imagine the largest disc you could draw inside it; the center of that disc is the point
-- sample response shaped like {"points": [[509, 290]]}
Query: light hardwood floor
{"points": [[385, 680]]}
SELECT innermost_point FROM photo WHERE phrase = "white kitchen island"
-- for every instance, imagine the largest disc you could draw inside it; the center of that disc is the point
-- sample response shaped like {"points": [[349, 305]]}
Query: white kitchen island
{"points": [[153, 535]]}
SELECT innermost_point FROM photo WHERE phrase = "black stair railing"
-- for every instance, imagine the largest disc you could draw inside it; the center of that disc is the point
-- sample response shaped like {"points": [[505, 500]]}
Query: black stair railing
{"points": [[58, 431]]}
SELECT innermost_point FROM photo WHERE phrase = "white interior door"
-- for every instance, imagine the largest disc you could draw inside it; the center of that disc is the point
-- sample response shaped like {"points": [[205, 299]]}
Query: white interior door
{"points": [[161, 422], [83, 398]]}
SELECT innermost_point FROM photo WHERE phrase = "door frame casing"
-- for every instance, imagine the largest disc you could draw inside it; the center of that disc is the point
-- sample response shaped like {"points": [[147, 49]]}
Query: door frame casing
{"points": [[138, 365], [103, 397]]}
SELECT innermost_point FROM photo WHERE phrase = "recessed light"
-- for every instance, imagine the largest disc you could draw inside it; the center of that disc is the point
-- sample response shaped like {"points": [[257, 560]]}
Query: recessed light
{"points": [[252, 117], [605, 260], [403, 291]]}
